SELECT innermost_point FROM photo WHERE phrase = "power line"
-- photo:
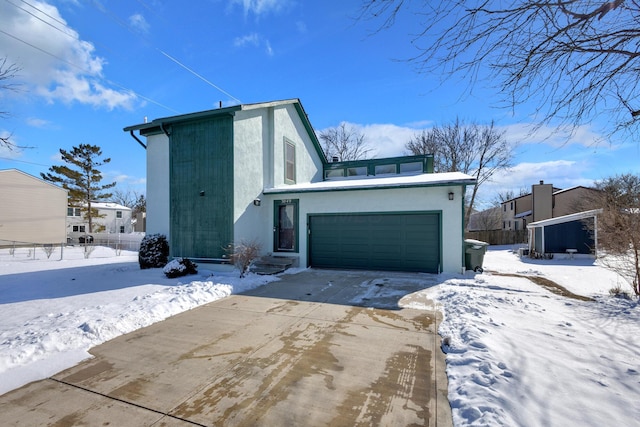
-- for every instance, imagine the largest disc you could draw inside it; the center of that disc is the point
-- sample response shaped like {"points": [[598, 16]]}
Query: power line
{"points": [[102, 8], [9, 159], [84, 70]]}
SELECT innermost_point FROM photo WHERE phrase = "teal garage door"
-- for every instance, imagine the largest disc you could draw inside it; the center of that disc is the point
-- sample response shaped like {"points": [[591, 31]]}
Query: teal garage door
{"points": [[390, 242]]}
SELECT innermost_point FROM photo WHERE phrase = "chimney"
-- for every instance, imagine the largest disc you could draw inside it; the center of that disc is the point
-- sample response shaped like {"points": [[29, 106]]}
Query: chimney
{"points": [[541, 182], [335, 159]]}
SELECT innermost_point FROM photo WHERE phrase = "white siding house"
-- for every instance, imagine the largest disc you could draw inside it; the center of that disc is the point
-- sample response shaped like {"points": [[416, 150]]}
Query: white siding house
{"points": [[31, 209], [256, 172]]}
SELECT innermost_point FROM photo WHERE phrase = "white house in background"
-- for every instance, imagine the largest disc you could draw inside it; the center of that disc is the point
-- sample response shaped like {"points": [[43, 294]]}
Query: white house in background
{"points": [[117, 219], [31, 209], [256, 172]]}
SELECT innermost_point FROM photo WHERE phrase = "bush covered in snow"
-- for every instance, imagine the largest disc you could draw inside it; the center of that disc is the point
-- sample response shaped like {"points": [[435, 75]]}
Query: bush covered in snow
{"points": [[180, 267], [154, 251]]}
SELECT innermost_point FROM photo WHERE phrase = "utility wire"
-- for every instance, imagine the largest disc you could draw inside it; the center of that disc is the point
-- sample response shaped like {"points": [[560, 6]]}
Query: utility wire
{"points": [[122, 23], [130, 91]]}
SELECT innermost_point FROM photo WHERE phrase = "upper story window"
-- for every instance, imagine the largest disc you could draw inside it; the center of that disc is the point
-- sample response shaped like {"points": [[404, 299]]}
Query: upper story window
{"points": [[359, 171], [289, 162], [118, 214], [385, 169], [413, 167], [73, 212]]}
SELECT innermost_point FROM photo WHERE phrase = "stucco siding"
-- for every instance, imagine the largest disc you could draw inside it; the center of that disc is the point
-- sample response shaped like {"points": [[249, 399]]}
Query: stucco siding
{"points": [[253, 149], [429, 199], [33, 211], [158, 219]]}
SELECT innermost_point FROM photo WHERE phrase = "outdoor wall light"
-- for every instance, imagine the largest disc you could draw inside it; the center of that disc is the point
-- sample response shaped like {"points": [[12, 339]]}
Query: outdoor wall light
{"points": [[450, 195], [202, 194], [256, 202]]}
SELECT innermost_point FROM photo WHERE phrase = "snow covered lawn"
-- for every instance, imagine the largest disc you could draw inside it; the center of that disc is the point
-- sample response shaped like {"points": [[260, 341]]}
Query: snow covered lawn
{"points": [[517, 354]]}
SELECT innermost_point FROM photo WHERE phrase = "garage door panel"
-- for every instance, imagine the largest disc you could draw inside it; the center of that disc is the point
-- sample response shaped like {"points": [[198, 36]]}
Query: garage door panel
{"points": [[404, 242]]}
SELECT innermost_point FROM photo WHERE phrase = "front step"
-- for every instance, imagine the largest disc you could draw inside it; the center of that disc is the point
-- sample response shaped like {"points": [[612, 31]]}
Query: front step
{"points": [[271, 265]]}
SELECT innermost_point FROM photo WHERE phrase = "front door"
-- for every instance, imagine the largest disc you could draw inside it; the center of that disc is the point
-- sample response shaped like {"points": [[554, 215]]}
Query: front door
{"points": [[285, 226]]}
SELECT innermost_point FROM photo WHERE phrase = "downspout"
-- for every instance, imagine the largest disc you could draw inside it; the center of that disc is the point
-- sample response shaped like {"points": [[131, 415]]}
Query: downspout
{"points": [[137, 139], [164, 130]]}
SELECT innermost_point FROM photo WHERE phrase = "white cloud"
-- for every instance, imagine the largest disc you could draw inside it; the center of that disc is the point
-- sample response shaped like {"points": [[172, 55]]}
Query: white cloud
{"points": [[259, 7], [249, 39], [385, 139], [55, 63], [253, 39], [37, 123], [527, 133], [138, 23]]}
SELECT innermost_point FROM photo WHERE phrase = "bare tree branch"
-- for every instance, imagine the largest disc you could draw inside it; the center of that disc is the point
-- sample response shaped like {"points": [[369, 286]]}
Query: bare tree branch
{"points": [[576, 59], [344, 143]]}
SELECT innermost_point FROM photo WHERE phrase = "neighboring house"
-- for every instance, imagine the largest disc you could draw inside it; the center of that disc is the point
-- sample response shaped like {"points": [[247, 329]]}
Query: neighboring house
{"points": [[32, 210], [544, 202], [256, 172], [486, 220], [117, 219]]}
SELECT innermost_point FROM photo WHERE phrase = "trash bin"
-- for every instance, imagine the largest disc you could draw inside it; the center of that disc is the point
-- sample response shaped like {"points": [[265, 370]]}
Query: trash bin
{"points": [[474, 251]]}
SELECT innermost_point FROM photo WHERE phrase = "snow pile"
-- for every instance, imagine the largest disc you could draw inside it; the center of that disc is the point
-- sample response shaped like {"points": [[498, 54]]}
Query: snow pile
{"points": [[49, 320], [519, 355]]}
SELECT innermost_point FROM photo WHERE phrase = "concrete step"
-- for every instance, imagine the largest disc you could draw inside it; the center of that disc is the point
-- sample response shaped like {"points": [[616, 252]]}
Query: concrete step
{"points": [[271, 265]]}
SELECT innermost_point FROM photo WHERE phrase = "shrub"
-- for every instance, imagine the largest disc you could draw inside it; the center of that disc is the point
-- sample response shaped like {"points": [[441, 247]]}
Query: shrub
{"points": [[154, 251], [618, 292], [242, 255], [180, 267]]}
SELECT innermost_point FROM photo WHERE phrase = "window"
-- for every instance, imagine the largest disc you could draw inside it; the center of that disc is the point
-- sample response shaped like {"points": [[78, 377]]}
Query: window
{"points": [[385, 169], [69, 211], [122, 228], [515, 224], [118, 214], [360, 171], [504, 208], [73, 211], [413, 167], [511, 207], [75, 229], [289, 162], [78, 228], [333, 173]]}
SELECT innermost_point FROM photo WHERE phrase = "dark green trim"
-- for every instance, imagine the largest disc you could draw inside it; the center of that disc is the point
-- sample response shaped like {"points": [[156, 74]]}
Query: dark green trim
{"points": [[296, 224], [310, 132], [370, 164], [155, 125]]}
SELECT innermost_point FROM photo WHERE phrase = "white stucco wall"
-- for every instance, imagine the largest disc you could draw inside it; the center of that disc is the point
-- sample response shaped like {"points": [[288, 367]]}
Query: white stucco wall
{"points": [[259, 138], [421, 199], [158, 184]]}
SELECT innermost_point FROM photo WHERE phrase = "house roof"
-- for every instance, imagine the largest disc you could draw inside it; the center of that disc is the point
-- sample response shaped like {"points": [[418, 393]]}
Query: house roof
{"points": [[158, 125], [398, 181], [565, 218], [35, 178]]}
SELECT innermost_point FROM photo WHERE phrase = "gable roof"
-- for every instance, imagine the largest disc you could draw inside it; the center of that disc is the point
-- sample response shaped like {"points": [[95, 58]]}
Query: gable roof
{"points": [[35, 178], [158, 125]]}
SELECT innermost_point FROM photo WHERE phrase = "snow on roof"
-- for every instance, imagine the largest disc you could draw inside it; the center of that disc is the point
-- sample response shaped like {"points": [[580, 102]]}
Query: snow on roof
{"points": [[565, 218], [396, 181], [109, 205], [523, 214]]}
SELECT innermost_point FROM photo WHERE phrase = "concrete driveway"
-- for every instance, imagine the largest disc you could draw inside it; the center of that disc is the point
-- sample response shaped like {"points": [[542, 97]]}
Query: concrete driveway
{"points": [[317, 348]]}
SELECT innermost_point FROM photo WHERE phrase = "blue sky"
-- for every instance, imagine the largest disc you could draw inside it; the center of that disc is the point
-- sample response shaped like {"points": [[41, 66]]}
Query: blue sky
{"points": [[90, 68]]}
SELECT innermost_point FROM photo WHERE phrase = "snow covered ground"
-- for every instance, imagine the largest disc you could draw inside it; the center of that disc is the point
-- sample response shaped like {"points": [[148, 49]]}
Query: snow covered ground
{"points": [[517, 354]]}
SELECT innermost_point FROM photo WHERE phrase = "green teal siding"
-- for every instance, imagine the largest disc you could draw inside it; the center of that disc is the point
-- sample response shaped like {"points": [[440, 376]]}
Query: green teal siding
{"points": [[201, 187], [376, 241]]}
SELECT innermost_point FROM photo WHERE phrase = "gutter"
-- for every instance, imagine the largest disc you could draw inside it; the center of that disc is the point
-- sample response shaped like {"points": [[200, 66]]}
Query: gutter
{"points": [[137, 139]]}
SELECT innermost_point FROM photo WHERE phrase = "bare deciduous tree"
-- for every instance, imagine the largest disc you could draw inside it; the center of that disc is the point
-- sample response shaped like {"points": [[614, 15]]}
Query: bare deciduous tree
{"points": [[131, 199], [344, 143], [7, 73], [576, 59], [479, 151], [619, 226]]}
